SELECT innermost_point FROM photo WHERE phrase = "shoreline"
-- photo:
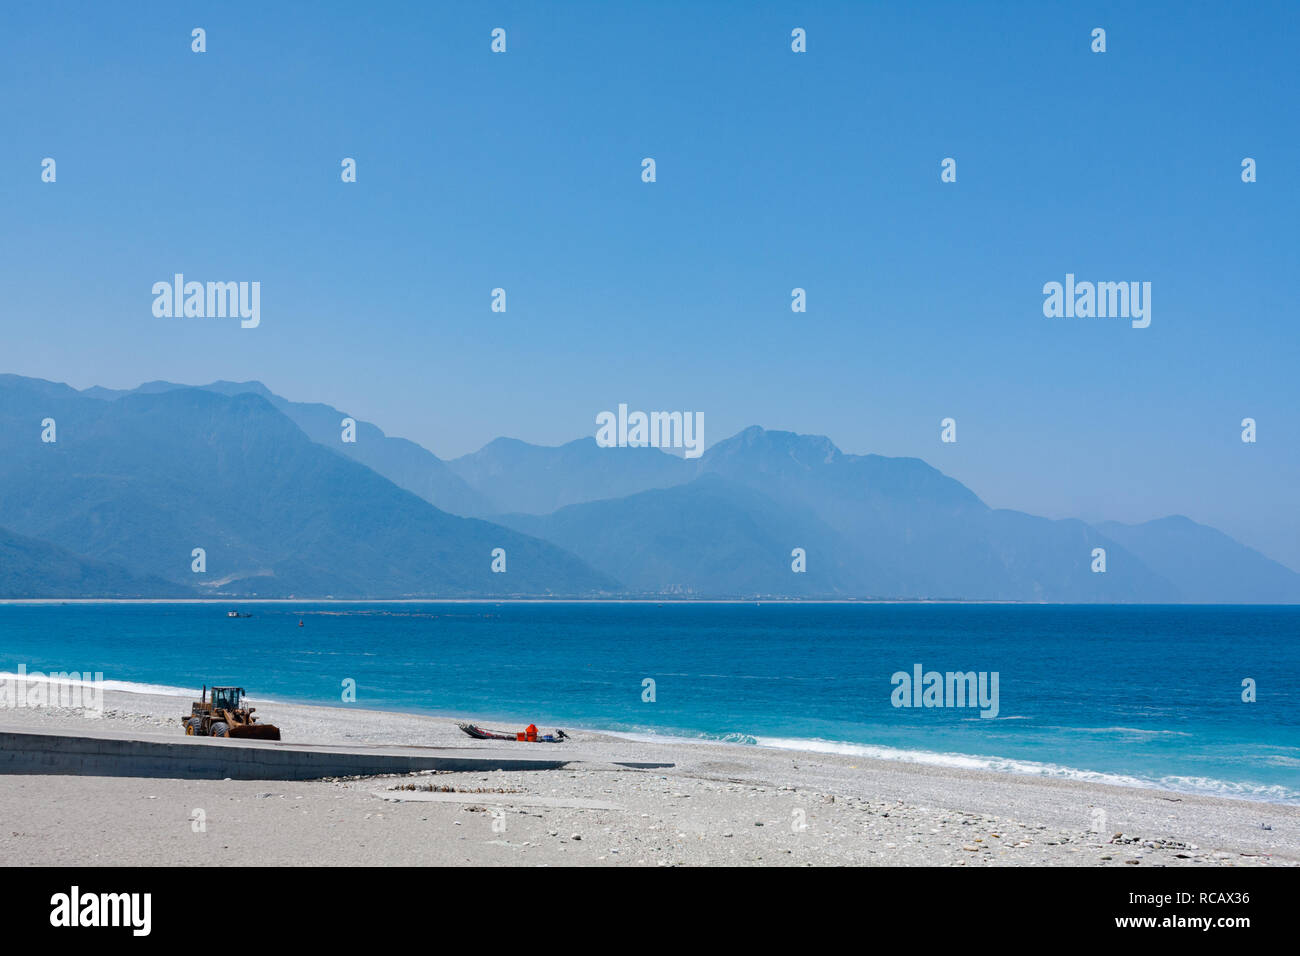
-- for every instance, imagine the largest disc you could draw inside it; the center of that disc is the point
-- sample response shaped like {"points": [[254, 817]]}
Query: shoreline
{"points": [[720, 803], [1035, 769]]}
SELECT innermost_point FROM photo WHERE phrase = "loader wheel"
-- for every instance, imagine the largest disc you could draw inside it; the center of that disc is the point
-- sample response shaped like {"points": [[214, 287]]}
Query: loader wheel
{"points": [[193, 726], [219, 728]]}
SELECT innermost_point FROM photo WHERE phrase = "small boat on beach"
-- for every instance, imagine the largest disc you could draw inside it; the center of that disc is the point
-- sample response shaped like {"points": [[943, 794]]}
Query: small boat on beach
{"points": [[531, 735]]}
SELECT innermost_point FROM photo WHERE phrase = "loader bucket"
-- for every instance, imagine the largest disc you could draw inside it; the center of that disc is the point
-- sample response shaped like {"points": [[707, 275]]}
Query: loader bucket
{"points": [[255, 731]]}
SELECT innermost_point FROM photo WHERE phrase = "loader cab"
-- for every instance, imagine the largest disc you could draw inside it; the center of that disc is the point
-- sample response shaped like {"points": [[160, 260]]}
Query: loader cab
{"points": [[227, 698]]}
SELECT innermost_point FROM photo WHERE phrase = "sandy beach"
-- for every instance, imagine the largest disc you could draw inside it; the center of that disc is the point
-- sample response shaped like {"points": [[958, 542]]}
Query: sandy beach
{"points": [[720, 804]]}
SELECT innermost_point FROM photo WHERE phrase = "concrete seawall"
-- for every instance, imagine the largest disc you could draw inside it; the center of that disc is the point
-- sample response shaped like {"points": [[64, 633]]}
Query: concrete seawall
{"points": [[207, 758]]}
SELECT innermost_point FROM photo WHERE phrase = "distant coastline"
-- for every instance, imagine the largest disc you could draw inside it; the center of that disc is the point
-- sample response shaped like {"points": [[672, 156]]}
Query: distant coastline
{"points": [[559, 600]]}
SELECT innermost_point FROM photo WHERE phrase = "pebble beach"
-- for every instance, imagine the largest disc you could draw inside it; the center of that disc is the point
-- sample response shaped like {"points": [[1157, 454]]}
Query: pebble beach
{"points": [[719, 804]]}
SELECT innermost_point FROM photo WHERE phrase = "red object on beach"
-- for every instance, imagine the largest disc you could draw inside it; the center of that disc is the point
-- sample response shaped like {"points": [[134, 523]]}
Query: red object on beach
{"points": [[531, 735]]}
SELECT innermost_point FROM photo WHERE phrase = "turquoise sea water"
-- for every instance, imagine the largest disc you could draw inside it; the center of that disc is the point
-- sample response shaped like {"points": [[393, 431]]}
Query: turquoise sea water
{"points": [[1125, 694]]}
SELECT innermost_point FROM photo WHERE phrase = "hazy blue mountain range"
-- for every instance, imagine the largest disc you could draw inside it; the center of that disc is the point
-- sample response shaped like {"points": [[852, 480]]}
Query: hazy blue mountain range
{"points": [[721, 535], [890, 527], [31, 568], [402, 462], [140, 477], [710, 536], [1204, 564], [516, 476], [143, 479]]}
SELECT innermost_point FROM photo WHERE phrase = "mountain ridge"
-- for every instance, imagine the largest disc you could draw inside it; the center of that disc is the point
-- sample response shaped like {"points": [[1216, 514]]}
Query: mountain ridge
{"points": [[626, 520], [144, 479]]}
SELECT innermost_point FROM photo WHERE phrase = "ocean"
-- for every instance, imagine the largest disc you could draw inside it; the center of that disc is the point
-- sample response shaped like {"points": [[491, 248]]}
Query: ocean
{"points": [[1135, 695]]}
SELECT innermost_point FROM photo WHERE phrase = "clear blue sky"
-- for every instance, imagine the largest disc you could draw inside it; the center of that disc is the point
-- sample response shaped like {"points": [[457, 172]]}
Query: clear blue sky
{"points": [[775, 170]]}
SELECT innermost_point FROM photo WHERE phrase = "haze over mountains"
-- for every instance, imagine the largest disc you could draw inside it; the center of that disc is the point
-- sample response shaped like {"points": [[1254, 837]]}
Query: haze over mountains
{"points": [[283, 507], [140, 480]]}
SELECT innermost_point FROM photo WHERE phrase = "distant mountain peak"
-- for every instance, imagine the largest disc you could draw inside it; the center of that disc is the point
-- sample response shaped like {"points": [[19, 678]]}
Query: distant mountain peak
{"points": [[808, 450], [235, 388]]}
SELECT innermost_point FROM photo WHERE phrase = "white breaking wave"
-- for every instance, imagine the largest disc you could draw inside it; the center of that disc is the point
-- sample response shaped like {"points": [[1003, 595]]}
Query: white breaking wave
{"points": [[1121, 730], [1274, 793], [959, 761], [128, 687], [120, 686], [1206, 786]]}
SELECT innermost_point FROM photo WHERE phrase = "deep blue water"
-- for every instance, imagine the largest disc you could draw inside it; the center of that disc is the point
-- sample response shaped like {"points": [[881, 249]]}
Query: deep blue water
{"points": [[1148, 694]]}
